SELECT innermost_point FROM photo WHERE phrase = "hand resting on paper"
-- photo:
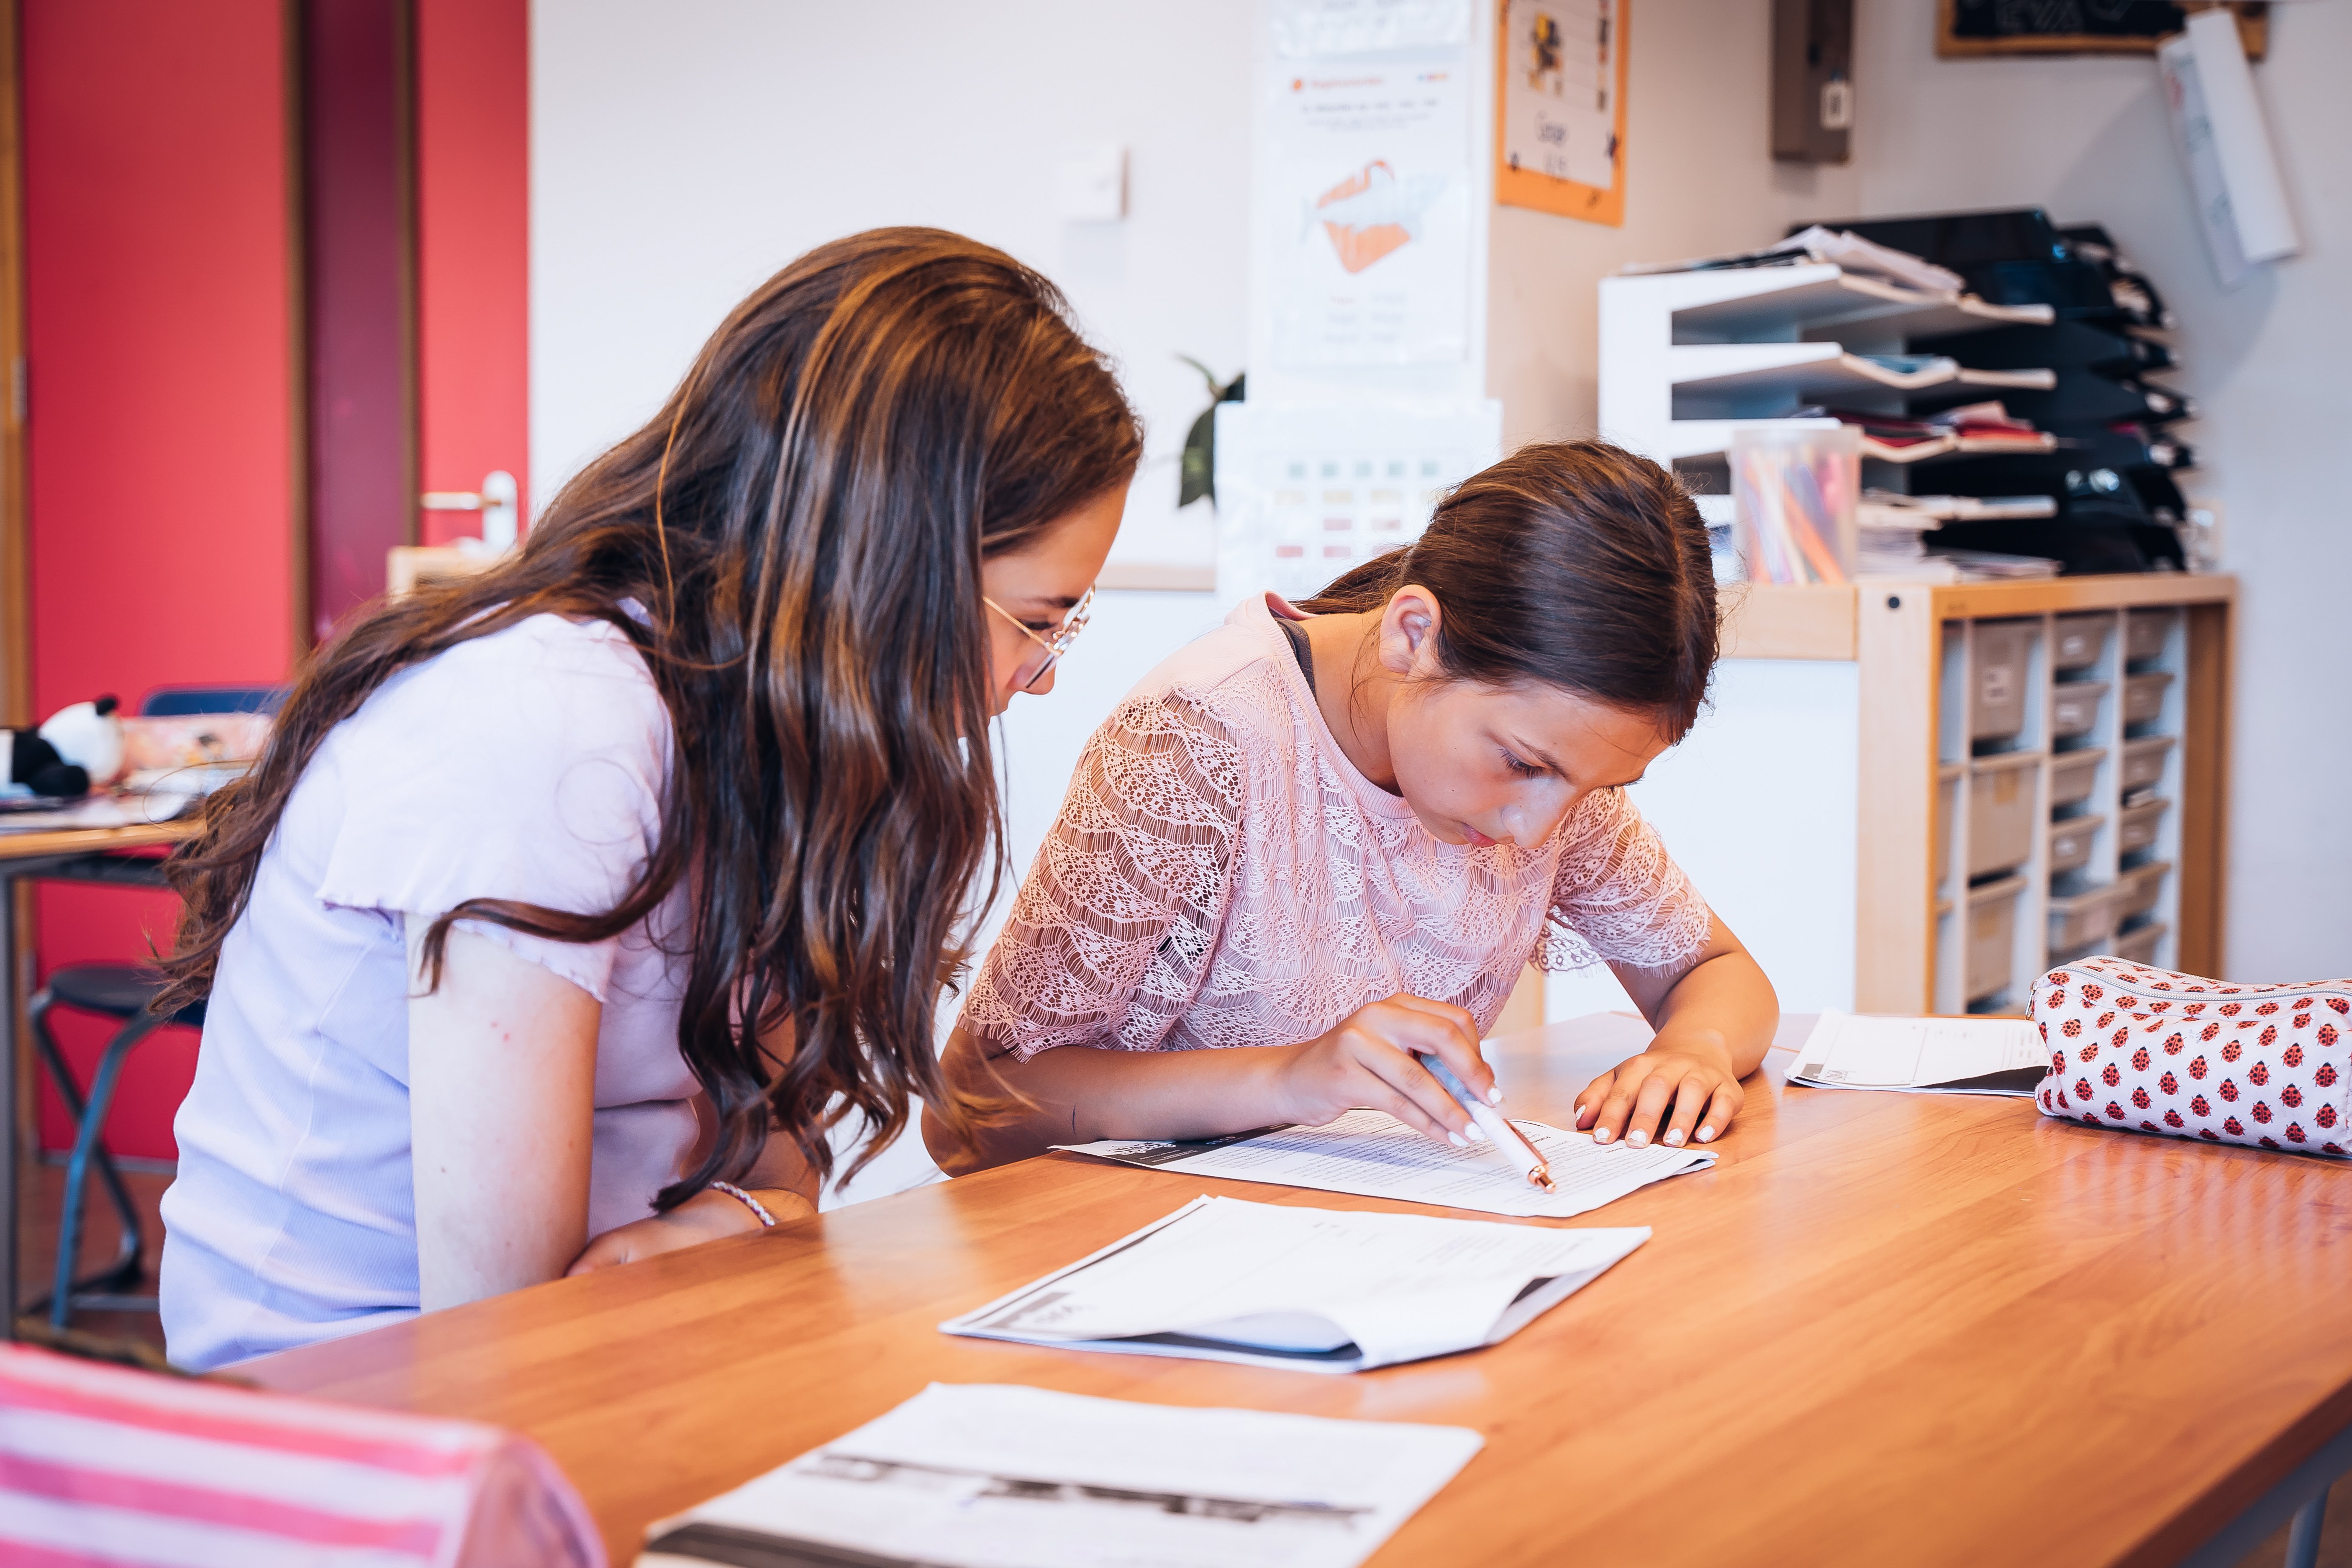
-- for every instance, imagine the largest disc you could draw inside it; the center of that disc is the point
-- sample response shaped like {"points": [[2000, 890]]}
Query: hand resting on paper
{"points": [[1714, 1021], [1080, 1094]]}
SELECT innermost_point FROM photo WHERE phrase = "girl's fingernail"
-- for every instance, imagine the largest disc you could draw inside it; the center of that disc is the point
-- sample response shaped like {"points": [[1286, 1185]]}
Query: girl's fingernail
{"points": [[1706, 1134], [1459, 1141], [1495, 1095], [1601, 1135], [1675, 1136], [1637, 1139]]}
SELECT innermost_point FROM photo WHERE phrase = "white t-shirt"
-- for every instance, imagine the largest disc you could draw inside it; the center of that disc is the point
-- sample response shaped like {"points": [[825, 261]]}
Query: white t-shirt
{"points": [[527, 764]]}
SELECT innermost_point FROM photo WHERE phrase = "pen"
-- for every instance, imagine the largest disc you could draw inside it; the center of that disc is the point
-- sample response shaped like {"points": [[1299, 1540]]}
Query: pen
{"points": [[1501, 1136]]}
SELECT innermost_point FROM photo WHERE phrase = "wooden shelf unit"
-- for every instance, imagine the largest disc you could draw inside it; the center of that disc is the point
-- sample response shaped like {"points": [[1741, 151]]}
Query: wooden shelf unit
{"points": [[1913, 645]]}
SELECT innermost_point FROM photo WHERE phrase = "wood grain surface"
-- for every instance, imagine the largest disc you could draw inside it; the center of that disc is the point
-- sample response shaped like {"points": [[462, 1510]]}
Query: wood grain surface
{"points": [[38, 844], [1886, 1328]]}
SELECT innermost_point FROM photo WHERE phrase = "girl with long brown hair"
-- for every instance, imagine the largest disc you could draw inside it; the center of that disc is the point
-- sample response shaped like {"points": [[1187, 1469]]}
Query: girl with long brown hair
{"points": [[1322, 842], [574, 905]]}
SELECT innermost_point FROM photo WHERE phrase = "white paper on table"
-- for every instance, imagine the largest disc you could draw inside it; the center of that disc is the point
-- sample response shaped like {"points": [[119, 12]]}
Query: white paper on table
{"points": [[1941, 1055], [989, 1476], [1314, 1289], [1372, 1154]]}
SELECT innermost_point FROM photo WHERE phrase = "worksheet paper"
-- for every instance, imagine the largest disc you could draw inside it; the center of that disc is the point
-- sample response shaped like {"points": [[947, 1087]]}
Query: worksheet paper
{"points": [[1314, 1289], [1937, 1056], [1374, 1155], [987, 1476]]}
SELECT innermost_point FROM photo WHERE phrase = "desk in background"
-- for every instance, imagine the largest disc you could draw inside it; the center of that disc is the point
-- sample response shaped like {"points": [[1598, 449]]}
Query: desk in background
{"points": [[1887, 1328], [81, 855]]}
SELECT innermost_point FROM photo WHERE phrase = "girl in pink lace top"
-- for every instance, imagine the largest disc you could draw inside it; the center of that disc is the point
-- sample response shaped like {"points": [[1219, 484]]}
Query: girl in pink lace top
{"points": [[1309, 846]]}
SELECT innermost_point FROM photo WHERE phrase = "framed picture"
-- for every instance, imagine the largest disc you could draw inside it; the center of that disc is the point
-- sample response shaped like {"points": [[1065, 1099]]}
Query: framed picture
{"points": [[1560, 108], [1970, 28]]}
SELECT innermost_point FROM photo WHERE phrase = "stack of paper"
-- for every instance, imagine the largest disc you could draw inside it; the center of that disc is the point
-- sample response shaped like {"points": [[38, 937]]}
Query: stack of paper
{"points": [[982, 1476], [1314, 1289], [1942, 1056], [1374, 1155]]}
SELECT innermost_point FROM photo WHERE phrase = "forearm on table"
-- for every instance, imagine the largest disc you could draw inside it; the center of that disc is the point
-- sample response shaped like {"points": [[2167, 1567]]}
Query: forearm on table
{"points": [[1725, 1002], [1077, 1094]]}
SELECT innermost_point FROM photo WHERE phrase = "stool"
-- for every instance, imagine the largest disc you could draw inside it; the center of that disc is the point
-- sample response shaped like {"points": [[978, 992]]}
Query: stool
{"points": [[120, 991]]}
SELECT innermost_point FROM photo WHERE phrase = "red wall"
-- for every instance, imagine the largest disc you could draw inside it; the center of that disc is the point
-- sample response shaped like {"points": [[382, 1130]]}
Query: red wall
{"points": [[163, 426], [162, 422], [473, 239]]}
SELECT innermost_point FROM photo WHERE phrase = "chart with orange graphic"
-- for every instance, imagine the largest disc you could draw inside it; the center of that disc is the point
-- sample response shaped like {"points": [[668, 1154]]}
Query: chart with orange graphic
{"points": [[1373, 155]]}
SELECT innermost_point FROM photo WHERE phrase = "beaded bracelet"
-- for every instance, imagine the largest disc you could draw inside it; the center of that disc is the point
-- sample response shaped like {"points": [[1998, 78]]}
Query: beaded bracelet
{"points": [[758, 1210]]}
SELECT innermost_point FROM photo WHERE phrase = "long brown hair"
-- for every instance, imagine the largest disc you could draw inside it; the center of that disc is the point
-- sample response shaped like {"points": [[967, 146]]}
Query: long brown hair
{"points": [[1575, 564], [802, 529]]}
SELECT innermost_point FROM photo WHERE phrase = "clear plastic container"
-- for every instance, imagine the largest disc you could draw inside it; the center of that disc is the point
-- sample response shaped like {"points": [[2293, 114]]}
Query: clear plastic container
{"points": [[2136, 826], [1793, 491], [1999, 662], [2071, 842], [2077, 641], [2144, 762], [2074, 708], [2073, 775], [2145, 632], [2140, 889], [2001, 814], [1993, 937], [2082, 920], [2144, 696]]}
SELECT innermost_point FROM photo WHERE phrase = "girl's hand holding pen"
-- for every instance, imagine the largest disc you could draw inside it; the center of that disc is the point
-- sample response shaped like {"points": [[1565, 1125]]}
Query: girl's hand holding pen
{"points": [[1367, 1062], [1693, 1075]]}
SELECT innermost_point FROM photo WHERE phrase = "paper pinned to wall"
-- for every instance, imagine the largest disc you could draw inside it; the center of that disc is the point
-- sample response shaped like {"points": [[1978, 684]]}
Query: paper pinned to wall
{"points": [[1370, 200], [1305, 492]]}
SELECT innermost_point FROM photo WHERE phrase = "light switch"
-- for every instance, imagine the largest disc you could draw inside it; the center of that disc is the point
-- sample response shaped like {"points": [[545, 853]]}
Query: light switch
{"points": [[1092, 187]]}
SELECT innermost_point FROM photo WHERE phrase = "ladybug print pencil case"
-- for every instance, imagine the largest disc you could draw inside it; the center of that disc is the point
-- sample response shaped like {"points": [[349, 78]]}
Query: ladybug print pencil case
{"points": [[2152, 1051]]}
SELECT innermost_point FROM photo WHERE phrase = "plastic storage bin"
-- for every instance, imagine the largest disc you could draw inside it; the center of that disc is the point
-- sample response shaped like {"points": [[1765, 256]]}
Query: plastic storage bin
{"points": [[2082, 920], [2144, 762], [2074, 774], [2144, 696], [2070, 841], [2145, 632], [2138, 944], [2074, 708], [1948, 795], [2077, 641], [1991, 937], [1996, 703], [2002, 814], [2140, 889], [2136, 826]]}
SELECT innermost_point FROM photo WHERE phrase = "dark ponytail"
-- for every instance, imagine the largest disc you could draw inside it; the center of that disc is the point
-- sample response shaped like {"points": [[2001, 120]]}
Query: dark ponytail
{"points": [[1574, 563]]}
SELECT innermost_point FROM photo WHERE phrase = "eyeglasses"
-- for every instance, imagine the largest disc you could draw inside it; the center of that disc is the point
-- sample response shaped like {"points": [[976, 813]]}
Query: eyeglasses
{"points": [[1055, 645]]}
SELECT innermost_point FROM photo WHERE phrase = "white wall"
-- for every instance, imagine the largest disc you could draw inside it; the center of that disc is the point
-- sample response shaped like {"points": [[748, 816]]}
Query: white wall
{"points": [[2087, 138], [683, 152]]}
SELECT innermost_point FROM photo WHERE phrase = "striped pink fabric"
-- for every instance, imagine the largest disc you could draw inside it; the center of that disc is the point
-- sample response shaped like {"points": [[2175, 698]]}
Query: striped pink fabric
{"points": [[102, 1466]]}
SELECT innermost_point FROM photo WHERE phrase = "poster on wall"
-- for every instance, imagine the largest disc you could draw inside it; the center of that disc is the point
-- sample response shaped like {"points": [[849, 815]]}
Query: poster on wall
{"points": [[1370, 149], [1306, 492], [1560, 108]]}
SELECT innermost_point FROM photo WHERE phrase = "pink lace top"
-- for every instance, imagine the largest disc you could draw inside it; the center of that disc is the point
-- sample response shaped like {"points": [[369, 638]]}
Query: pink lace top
{"points": [[1222, 874]]}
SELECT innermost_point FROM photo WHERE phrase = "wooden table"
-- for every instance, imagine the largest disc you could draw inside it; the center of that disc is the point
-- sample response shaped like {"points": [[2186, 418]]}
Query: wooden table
{"points": [[1884, 1329], [80, 854]]}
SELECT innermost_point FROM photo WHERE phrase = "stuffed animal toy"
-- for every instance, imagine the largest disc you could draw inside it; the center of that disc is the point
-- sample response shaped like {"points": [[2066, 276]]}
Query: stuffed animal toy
{"points": [[81, 746]]}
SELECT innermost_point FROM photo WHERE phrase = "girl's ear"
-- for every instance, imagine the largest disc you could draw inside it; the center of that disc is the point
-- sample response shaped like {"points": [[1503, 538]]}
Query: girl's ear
{"points": [[1406, 628]]}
